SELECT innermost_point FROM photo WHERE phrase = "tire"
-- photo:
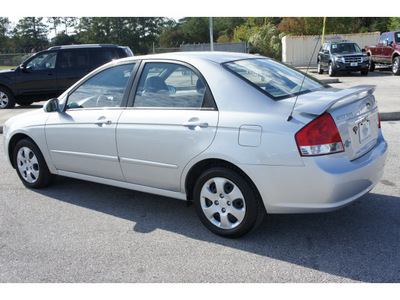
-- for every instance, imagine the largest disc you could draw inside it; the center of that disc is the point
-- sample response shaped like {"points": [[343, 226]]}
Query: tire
{"points": [[331, 70], [364, 72], [371, 64], [7, 99], [226, 203], [31, 166], [319, 69], [396, 66]]}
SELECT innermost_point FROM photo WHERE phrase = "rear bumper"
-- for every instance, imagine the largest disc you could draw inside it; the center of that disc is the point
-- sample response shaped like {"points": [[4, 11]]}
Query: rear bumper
{"points": [[323, 184]]}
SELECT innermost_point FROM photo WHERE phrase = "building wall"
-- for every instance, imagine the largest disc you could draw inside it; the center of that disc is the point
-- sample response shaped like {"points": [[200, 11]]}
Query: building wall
{"points": [[297, 50]]}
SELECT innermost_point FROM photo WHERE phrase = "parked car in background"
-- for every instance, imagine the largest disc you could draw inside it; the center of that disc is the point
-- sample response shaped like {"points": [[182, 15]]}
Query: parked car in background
{"points": [[49, 73], [386, 53], [338, 57], [237, 134]]}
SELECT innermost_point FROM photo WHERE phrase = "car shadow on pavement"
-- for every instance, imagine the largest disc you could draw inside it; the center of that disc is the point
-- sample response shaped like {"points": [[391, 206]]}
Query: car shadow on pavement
{"points": [[360, 242]]}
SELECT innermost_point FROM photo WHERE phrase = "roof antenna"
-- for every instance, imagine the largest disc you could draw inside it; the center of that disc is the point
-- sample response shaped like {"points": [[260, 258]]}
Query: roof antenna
{"points": [[301, 86]]}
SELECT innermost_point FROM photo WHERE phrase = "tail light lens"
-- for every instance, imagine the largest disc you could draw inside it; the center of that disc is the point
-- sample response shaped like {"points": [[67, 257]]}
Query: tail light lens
{"points": [[319, 137]]}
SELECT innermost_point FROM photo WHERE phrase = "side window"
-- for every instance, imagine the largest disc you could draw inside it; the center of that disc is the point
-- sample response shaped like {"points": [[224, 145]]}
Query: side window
{"points": [[105, 89], [390, 39], [169, 85], [73, 59], [44, 61], [383, 37], [102, 56]]}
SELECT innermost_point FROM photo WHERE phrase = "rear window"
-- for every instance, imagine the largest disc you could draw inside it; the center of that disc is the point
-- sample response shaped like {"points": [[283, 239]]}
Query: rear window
{"points": [[275, 79]]}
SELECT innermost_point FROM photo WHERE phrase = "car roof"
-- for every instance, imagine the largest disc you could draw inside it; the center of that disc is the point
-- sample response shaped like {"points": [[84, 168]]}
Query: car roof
{"points": [[83, 46], [214, 56]]}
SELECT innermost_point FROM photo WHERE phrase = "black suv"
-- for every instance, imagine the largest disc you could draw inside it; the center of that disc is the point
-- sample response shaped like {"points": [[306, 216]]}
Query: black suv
{"points": [[49, 73], [342, 56]]}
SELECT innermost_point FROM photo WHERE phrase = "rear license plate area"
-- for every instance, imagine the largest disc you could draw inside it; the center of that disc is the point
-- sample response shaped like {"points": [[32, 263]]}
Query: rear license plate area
{"points": [[364, 131]]}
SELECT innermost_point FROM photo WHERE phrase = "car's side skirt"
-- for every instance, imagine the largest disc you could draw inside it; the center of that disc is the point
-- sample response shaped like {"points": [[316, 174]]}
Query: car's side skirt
{"points": [[125, 185]]}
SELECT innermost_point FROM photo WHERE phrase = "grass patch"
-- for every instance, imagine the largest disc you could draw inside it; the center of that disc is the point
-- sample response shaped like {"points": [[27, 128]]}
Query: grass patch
{"points": [[7, 67]]}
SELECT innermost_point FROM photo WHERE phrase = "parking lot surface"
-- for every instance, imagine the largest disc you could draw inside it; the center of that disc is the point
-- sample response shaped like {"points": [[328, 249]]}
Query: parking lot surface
{"points": [[77, 231]]}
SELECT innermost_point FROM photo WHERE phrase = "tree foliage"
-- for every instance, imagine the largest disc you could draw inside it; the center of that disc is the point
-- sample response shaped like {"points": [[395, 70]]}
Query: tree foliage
{"points": [[30, 33], [267, 41], [139, 33]]}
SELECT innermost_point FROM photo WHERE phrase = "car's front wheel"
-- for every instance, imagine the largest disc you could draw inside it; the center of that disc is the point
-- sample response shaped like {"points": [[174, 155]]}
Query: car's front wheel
{"points": [[31, 166], [227, 203]]}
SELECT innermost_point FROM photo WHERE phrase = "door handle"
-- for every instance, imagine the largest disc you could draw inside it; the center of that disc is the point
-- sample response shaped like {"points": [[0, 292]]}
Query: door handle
{"points": [[103, 121], [195, 124]]}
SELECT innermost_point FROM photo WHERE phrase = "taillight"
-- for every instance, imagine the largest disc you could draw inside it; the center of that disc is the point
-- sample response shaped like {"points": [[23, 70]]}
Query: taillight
{"points": [[319, 137]]}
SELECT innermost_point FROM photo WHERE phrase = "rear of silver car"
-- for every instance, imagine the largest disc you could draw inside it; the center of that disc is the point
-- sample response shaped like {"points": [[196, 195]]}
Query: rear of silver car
{"points": [[338, 172]]}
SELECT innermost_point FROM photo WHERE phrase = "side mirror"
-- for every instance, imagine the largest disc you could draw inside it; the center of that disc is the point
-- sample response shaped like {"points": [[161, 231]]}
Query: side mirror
{"points": [[24, 68], [326, 51], [51, 105]]}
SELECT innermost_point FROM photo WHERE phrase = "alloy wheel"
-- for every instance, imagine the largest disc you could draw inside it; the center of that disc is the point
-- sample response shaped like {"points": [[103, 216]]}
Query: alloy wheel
{"points": [[3, 100]]}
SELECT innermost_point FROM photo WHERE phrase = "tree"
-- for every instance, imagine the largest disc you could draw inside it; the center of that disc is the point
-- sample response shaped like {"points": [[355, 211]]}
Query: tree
{"points": [[267, 41], [196, 30], [138, 33], [30, 33], [4, 27], [55, 21], [394, 24]]}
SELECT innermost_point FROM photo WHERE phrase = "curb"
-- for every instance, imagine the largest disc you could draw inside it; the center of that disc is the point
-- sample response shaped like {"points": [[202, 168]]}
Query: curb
{"points": [[392, 116]]}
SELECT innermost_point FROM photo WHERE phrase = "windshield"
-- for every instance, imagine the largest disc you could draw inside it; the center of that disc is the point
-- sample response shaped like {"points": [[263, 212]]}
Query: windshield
{"points": [[345, 48], [275, 79]]}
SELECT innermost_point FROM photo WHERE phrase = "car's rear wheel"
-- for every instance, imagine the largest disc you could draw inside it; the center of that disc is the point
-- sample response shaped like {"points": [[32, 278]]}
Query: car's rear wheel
{"points": [[319, 69], [396, 66], [7, 99], [31, 166], [371, 64], [226, 203]]}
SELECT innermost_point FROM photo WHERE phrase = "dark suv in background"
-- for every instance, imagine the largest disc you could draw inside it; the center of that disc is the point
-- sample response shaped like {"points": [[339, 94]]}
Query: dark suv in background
{"points": [[342, 56], [49, 73]]}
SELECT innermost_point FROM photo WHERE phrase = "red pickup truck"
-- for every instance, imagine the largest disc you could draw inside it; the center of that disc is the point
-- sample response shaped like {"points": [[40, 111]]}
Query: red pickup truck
{"points": [[386, 53]]}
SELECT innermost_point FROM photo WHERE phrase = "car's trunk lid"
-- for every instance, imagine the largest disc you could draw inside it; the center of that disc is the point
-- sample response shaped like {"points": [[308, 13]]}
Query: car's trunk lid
{"points": [[354, 111]]}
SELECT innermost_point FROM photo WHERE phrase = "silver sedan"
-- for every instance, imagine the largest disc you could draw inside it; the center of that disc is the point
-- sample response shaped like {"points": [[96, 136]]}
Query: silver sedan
{"points": [[238, 135]]}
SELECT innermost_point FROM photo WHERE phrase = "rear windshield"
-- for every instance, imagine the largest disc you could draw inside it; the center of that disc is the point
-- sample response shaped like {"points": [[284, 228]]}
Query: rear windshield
{"points": [[275, 79]]}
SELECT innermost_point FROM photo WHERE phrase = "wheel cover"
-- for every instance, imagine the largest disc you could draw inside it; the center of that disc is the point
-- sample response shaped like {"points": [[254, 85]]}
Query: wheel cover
{"points": [[223, 203], [3, 100], [28, 165]]}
